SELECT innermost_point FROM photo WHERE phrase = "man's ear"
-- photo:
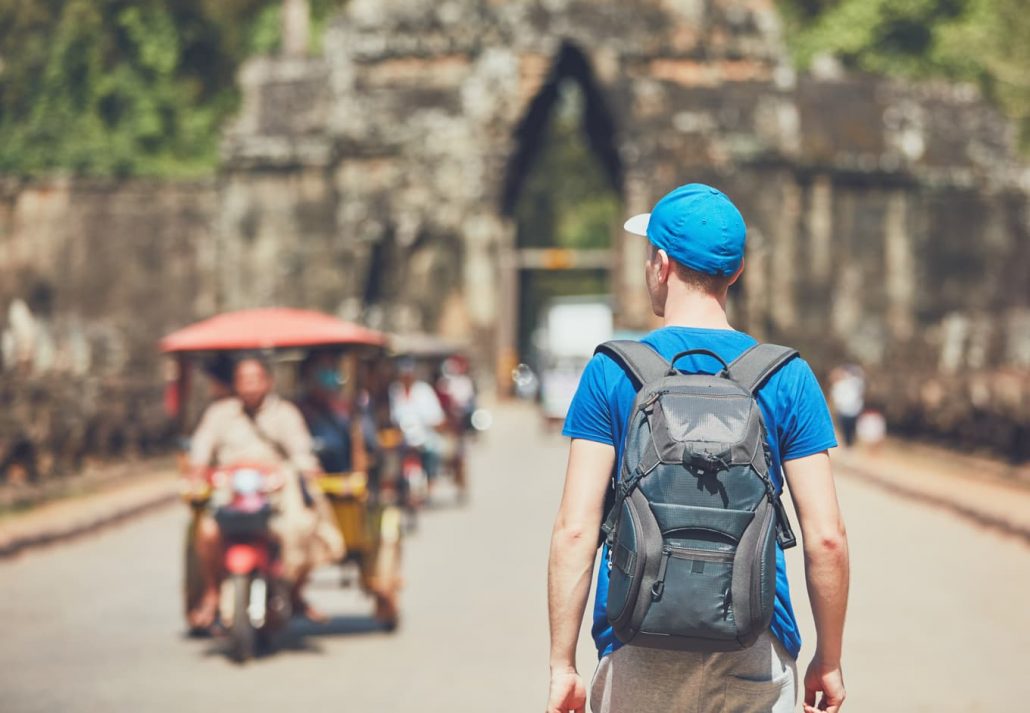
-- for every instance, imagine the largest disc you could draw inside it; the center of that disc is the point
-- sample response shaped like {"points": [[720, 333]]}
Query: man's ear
{"points": [[737, 274], [664, 266]]}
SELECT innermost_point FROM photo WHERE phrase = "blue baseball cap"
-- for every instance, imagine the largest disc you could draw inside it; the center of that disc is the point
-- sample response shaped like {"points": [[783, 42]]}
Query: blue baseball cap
{"points": [[698, 226]]}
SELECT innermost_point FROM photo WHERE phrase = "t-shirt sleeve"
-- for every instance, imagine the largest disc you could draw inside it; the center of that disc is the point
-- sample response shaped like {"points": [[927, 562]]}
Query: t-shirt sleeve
{"points": [[589, 415], [429, 405], [202, 443], [806, 427], [297, 438]]}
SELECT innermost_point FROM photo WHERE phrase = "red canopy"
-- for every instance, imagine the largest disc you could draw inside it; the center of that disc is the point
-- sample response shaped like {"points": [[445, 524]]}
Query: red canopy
{"points": [[269, 328]]}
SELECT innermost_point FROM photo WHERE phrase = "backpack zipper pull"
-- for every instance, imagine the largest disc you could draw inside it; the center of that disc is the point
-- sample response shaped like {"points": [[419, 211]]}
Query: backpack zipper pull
{"points": [[659, 585], [648, 405]]}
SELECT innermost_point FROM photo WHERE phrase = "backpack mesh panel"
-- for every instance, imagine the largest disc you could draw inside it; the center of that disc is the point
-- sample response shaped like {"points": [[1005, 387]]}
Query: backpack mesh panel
{"points": [[696, 418]]}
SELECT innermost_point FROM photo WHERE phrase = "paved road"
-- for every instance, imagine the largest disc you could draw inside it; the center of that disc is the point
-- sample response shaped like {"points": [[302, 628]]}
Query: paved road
{"points": [[938, 622]]}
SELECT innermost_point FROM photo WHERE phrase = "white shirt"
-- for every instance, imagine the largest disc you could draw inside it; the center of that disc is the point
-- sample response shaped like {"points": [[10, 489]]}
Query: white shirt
{"points": [[848, 394], [416, 411]]}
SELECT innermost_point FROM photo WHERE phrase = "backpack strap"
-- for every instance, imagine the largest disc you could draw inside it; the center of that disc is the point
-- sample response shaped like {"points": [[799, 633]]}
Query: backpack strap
{"points": [[751, 370], [640, 361], [754, 367], [642, 364]]}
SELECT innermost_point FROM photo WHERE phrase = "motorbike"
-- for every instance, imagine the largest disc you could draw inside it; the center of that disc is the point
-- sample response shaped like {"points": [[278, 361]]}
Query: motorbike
{"points": [[364, 500], [254, 601], [445, 364], [407, 483]]}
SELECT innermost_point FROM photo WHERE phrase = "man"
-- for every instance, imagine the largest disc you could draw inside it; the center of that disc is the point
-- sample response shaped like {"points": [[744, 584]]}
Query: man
{"points": [[256, 426], [416, 409], [326, 413], [847, 392], [457, 394], [697, 246]]}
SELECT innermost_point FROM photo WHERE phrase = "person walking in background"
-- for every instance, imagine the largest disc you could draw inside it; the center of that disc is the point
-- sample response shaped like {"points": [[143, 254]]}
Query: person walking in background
{"points": [[696, 253], [847, 392]]}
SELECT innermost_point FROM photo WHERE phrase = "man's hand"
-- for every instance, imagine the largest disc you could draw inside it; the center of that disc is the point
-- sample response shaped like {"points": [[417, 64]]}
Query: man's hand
{"points": [[826, 571], [570, 568], [567, 692], [826, 679]]}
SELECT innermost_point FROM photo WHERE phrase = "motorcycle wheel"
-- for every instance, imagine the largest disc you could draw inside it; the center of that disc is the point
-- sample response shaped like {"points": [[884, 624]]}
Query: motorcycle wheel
{"points": [[242, 637]]}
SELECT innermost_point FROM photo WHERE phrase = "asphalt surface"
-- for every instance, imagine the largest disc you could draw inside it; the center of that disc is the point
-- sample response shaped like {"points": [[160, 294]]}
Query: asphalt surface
{"points": [[938, 620]]}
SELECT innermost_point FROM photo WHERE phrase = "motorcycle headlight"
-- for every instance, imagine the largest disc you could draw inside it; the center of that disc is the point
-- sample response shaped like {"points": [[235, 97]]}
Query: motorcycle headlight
{"points": [[247, 481]]}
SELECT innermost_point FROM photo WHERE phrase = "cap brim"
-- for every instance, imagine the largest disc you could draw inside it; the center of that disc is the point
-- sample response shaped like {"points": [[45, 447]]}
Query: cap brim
{"points": [[638, 224]]}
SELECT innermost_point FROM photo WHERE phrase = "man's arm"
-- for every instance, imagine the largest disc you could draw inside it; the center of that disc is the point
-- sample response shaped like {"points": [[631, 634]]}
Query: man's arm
{"points": [[202, 444], [825, 544], [296, 438], [571, 565]]}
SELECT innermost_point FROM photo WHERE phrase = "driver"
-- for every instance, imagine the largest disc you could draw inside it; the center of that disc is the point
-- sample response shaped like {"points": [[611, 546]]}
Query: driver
{"points": [[416, 409], [256, 426]]}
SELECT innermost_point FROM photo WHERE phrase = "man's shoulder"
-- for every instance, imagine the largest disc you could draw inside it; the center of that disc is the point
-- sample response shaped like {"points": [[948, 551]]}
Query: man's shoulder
{"points": [[225, 406], [794, 371], [277, 405]]}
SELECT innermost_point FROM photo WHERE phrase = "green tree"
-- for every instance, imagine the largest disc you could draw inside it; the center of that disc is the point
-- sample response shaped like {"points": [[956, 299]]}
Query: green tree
{"points": [[123, 87], [986, 42]]}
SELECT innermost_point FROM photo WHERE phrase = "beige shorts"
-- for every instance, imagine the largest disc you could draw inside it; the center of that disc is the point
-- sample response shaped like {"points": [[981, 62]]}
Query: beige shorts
{"points": [[760, 679]]}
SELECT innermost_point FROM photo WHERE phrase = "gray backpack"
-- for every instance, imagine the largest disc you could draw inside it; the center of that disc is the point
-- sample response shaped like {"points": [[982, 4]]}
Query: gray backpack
{"points": [[694, 518]]}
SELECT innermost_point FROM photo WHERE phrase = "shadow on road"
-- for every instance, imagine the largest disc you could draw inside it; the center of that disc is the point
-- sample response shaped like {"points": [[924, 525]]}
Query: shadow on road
{"points": [[301, 636]]}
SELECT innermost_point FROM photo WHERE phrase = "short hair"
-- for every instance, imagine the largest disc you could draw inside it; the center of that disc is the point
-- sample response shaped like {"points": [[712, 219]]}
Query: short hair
{"points": [[260, 361], [701, 281]]}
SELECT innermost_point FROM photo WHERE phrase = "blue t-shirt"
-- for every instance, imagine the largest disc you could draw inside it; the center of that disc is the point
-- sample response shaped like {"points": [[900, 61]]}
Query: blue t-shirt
{"points": [[792, 404]]}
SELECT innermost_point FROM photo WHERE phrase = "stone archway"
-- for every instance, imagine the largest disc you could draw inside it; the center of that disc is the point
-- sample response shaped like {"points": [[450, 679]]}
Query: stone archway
{"points": [[407, 130], [433, 112], [529, 260]]}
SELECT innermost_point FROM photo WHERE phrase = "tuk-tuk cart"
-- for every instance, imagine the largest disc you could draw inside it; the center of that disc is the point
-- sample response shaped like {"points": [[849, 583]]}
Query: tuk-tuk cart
{"points": [[443, 362], [362, 505]]}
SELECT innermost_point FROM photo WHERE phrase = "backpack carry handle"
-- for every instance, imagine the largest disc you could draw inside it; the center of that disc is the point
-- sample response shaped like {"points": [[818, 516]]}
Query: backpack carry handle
{"points": [[707, 352]]}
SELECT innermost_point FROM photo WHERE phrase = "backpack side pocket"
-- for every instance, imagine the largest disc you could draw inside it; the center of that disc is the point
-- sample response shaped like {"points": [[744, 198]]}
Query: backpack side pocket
{"points": [[625, 613], [627, 564], [754, 575]]}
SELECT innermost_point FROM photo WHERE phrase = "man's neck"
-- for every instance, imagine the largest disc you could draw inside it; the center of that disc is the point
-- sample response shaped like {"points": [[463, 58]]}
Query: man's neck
{"points": [[254, 411], [686, 307]]}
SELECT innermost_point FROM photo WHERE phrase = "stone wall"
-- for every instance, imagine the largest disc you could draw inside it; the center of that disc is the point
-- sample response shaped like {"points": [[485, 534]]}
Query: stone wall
{"points": [[91, 275], [888, 222]]}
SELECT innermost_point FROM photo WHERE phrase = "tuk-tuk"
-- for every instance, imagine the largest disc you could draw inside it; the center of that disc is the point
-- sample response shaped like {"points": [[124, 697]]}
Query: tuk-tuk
{"points": [[362, 504], [444, 364]]}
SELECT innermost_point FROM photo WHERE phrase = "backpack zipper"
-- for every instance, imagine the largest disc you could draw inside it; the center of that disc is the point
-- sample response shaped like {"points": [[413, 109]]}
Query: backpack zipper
{"points": [[688, 553]]}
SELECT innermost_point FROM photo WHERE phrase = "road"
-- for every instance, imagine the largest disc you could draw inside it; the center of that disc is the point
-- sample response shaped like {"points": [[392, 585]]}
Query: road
{"points": [[938, 618]]}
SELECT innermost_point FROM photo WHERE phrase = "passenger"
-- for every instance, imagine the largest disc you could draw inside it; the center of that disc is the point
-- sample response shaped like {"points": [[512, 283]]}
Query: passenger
{"points": [[457, 394], [257, 426], [415, 408], [326, 414]]}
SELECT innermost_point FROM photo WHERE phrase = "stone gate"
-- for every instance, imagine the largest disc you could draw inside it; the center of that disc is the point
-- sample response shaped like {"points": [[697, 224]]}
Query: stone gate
{"points": [[888, 221], [378, 180]]}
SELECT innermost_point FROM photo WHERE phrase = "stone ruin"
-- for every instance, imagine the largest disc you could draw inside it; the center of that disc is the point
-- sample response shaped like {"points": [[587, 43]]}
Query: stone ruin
{"points": [[888, 221]]}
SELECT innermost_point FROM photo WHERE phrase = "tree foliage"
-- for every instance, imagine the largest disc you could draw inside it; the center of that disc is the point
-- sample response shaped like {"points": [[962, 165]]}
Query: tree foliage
{"points": [[123, 87], [986, 42]]}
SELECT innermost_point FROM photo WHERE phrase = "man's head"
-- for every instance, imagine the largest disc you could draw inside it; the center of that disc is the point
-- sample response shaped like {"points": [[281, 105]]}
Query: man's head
{"points": [[252, 382], [697, 241], [320, 375], [406, 371]]}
